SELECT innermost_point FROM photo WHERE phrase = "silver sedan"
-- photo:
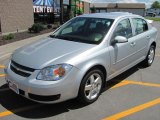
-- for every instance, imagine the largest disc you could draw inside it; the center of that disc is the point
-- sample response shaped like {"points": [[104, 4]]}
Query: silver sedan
{"points": [[80, 56]]}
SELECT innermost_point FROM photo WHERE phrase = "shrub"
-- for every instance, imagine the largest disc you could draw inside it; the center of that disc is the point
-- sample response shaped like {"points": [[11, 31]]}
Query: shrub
{"points": [[49, 26], [36, 28], [30, 30], [8, 37], [93, 9]]}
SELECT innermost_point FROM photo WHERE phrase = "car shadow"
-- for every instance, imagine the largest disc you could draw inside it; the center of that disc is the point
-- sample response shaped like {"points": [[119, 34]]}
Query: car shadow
{"points": [[28, 109], [123, 76]]}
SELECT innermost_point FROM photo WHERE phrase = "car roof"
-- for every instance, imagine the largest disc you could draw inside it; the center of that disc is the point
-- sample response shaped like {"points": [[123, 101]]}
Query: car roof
{"points": [[110, 15]]}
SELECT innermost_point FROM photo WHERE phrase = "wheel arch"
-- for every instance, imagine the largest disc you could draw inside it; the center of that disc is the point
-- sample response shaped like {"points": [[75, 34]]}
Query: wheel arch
{"points": [[100, 67], [154, 44]]}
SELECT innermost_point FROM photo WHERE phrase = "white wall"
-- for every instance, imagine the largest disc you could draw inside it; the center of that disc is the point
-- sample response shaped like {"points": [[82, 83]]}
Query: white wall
{"points": [[134, 11]]}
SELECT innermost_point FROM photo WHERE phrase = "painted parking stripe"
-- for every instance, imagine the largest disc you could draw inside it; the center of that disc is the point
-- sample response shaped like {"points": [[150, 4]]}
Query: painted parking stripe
{"points": [[6, 113], [143, 83], [133, 110], [2, 75], [2, 66], [123, 83], [126, 82]]}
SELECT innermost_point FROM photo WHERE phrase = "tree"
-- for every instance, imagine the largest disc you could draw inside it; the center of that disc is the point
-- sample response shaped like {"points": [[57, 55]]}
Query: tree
{"points": [[155, 4], [93, 9]]}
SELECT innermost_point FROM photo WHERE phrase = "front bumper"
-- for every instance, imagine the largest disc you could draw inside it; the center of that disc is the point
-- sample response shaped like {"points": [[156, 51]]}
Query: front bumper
{"points": [[46, 91]]}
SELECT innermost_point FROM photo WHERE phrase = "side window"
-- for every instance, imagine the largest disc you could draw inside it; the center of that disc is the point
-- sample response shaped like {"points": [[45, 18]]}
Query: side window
{"points": [[140, 25], [123, 29]]}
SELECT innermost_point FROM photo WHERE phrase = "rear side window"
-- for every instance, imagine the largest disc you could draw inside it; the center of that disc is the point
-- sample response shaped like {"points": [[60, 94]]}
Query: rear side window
{"points": [[140, 25]]}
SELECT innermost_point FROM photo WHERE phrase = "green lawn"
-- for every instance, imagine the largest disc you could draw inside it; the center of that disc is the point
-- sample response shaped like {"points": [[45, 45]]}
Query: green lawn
{"points": [[153, 18]]}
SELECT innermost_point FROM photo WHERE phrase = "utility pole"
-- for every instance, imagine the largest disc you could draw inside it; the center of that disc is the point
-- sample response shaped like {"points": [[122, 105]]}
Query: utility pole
{"points": [[44, 11], [70, 9], [61, 11], [75, 8]]}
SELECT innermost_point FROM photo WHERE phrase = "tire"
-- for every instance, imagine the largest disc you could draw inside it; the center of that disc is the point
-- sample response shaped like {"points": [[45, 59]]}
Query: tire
{"points": [[150, 57], [91, 86]]}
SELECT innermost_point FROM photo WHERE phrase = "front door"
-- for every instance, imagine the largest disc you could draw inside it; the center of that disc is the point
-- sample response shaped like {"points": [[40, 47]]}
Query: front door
{"points": [[122, 54]]}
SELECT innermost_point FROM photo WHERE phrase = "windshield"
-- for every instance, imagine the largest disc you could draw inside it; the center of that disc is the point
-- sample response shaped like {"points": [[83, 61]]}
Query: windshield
{"points": [[84, 29]]}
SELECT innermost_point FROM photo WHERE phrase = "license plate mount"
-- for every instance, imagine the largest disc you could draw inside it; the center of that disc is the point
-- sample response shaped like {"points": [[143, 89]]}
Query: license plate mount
{"points": [[13, 87]]}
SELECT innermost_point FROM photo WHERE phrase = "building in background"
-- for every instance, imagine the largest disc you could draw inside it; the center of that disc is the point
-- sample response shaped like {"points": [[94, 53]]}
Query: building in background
{"points": [[15, 15], [44, 10], [51, 11], [19, 15], [135, 8]]}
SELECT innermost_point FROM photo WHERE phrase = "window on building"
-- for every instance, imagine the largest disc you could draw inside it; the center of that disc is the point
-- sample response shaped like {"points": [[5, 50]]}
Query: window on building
{"points": [[102, 11]]}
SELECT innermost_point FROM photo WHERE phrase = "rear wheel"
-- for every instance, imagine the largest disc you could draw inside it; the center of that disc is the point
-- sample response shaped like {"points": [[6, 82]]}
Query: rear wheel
{"points": [[91, 86], [150, 56]]}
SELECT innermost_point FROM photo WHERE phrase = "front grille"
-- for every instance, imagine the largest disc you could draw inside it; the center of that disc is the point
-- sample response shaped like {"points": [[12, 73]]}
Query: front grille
{"points": [[20, 69]]}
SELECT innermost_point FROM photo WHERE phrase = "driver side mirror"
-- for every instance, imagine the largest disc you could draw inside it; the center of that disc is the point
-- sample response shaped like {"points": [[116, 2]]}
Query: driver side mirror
{"points": [[120, 39]]}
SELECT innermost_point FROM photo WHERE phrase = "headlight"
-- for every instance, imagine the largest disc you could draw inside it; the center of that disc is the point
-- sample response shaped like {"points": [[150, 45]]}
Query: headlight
{"points": [[54, 72]]}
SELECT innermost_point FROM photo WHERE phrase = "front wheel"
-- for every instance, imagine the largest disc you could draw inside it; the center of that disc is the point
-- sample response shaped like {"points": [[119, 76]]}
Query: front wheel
{"points": [[150, 56], [91, 86]]}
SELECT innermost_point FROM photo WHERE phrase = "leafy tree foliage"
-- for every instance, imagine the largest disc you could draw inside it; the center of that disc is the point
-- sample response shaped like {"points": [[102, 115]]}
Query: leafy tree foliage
{"points": [[155, 4]]}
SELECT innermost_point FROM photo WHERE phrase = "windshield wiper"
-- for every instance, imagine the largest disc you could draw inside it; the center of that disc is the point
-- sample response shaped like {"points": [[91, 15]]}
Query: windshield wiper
{"points": [[52, 36], [63, 37], [60, 37]]}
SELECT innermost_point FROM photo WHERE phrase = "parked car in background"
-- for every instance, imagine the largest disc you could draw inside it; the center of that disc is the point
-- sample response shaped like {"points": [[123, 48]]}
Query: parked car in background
{"points": [[151, 14], [80, 56]]}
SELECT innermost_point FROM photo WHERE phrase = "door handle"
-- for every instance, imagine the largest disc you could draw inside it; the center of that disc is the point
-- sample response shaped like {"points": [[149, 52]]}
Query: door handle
{"points": [[133, 44], [148, 37]]}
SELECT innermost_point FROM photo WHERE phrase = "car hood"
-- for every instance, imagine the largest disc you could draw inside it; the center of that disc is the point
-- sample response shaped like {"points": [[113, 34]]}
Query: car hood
{"points": [[48, 51]]}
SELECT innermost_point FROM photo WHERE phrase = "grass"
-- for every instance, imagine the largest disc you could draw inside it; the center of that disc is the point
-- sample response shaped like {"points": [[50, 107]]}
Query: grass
{"points": [[153, 18]]}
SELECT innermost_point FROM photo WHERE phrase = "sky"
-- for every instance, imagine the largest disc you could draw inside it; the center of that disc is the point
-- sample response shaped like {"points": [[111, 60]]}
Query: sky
{"points": [[147, 2]]}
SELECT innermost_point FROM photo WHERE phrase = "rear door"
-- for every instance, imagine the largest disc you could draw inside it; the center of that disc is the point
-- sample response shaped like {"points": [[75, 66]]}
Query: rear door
{"points": [[142, 37]]}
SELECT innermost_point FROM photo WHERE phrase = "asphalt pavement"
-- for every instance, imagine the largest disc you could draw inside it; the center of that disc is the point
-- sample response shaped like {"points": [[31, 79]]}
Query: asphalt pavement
{"points": [[133, 95]]}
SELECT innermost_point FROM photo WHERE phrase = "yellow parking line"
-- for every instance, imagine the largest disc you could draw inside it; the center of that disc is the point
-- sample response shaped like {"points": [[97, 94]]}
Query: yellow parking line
{"points": [[123, 83], [7, 112], [133, 110], [2, 66], [143, 83], [2, 75], [114, 117], [126, 82]]}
